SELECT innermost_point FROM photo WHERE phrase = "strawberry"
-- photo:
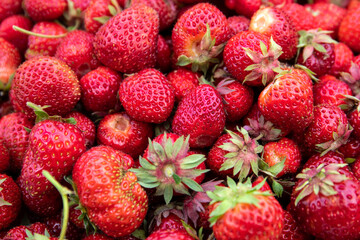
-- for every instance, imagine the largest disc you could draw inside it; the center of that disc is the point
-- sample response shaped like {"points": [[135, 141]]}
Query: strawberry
{"points": [[238, 24], [86, 126], [283, 150], [18, 39], [40, 46], [238, 99], [54, 224], [325, 199], [301, 19], [45, 11], [76, 50], [355, 168], [45, 81], [232, 207], [328, 130], [163, 53], [352, 76], [169, 234], [351, 149], [244, 7], [275, 23], [9, 8], [316, 51], [331, 91], [26, 232], [177, 168], [183, 81], [123, 133], [354, 121], [343, 58], [10, 201], [4, 158], [97, 236], [292, 230], [327, 16], [288, 101], [199, 36], [147, 96], [167, 220], [9, 61], [81, 4], [349, 29], [234, 154], [166, 9], [128, 41], [99, 88], [122, 201], [250, 58], [201, 115]]}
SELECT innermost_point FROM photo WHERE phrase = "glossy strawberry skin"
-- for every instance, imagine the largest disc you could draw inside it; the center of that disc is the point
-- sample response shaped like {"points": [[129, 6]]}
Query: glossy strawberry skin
{"points": [[354, 120], [349, 29], [238, 24], [201, 115], [86, 126], [244, 7], [96, 8], [301, 19], [128, 41], [351, 149], [123, 133], [76, 50], [147, 96], [99, 89], [45, 11], [183, 81], [172, 221], [45, 81], [9, 8], [19, 232], [163, 54], [10, 193], [169, 234], [292, 230], [9, 60], [4, 158], [343, 58], [54, 224]]}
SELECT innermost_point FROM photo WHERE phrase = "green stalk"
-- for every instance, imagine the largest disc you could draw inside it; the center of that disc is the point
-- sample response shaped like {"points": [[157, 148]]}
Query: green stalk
{"points": [[16, 28], [63, 192]]}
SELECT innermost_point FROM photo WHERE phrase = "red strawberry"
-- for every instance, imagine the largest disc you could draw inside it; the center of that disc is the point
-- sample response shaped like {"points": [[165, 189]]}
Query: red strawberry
{"points": [[285, 149], [40, 46], [343, 58], [238, 24], [4, 158], [288, 101], [349, 29], [45, 81], [199, 36], [163, 54], [45, 11], [147, 96], [86, 126], [9, 61], [171, 221], [18, 39], [201, 115], [244, 7], [292, 230], [232, 207], [170, 234], [355, 168], [9, 8], [123, 133], [250, 58], [97, 236], [275, 23], [329, 129], [301, 19], [99, 89], [26, 232], [354, 121], [54, 224], [331, 91], [234, 154], [122, 201], [77, 51], [238, 99], [351, 149], [325, 199], [128, 41], [10, 201], [81, 4], [183, 81], [316, 50]]}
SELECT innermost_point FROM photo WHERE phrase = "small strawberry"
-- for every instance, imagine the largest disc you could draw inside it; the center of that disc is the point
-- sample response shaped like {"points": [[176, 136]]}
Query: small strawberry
{"points": [[122, 201], [165, 218], [45, 81], [76, 50], [147, 96], [123, 133], [292, 230], [18, 39], [301, 19], [238, 24], [54, 224], [128, 41], [4, 158], [9, 61], [201, 115], [349, 29], [251, 58], [183, 81], [232, 207], [27, 232], [10, 201], [275, 23], [343, 58], [9, 8], [45, 11], [170, 234], [199, 36], [86, 126]]}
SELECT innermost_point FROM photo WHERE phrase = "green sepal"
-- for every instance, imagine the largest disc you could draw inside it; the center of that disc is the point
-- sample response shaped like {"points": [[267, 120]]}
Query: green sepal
{"points": [[183, 61], [192, 184], [28, 130], [192, 161], [277, 188], [168, 193], [146, 164], [102, 19]]}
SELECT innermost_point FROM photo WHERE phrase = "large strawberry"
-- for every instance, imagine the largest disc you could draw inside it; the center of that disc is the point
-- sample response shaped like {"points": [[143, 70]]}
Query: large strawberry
{"points": [[232, 207], [121, 205], [127, 42], [201, 115], [45, 81], [9, 61], [199, 35]]}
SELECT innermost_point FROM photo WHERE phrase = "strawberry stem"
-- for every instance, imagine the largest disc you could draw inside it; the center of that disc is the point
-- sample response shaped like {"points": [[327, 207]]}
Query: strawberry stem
{"points": [[16, 28], [63, 192]]}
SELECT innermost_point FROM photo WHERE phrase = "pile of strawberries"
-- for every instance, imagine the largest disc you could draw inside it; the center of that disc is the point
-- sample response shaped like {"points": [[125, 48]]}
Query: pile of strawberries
{"points": [[179, 119]]}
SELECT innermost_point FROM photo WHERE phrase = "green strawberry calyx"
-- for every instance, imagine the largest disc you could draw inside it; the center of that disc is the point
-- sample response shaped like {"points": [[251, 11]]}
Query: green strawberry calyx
{"points": [[2, 200], [261, 129], [169, 168], [227, 198], [319, 180], [243, 154], [41, 115]]}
